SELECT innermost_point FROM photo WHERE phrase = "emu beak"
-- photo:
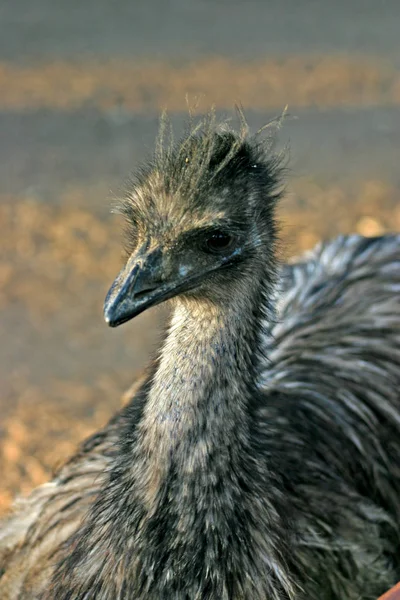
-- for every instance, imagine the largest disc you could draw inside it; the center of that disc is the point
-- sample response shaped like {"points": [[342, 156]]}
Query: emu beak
{"points": [[136, 288]]}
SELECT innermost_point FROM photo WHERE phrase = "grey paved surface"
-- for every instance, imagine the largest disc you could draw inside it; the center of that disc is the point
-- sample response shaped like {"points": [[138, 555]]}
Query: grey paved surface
{"points": [[188, 28], [43, 153]]}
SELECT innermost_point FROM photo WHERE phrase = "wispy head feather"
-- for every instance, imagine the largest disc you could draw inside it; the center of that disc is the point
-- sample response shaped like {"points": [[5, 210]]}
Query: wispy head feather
{"points": [[211, 157]]}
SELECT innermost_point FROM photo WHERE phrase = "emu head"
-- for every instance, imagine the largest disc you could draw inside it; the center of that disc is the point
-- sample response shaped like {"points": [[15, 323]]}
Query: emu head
{"points": [[200, 221]]}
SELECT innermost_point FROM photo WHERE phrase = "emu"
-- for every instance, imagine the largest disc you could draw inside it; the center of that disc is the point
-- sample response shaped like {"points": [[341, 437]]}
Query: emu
{"points": [[259, 458]]}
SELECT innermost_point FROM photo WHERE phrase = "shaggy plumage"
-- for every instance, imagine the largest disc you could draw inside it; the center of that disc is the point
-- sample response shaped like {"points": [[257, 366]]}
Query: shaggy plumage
{"points": [[259, 459]]}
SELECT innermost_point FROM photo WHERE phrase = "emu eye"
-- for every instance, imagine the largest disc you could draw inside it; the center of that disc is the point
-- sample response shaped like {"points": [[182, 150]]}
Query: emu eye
{"points": [[218, 241]]}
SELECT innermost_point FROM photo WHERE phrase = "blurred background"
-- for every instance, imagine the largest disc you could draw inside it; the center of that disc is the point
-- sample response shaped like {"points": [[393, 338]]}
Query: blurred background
{"points": [[81, 86]]}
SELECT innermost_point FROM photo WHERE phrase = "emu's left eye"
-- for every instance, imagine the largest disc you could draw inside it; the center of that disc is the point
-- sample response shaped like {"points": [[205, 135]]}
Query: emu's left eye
{"points": [[219, 241]]}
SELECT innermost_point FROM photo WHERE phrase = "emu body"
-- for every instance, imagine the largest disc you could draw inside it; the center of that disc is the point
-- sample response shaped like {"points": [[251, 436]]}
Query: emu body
{"points": [[259, 459]]}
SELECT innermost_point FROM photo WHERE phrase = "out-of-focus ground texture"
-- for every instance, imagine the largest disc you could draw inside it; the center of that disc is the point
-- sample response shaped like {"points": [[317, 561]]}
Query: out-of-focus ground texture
{"points": [[81, 85]]}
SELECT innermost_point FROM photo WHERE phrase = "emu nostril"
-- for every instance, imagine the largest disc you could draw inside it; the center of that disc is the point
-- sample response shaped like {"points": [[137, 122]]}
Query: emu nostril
{"points": [[146, 290]]}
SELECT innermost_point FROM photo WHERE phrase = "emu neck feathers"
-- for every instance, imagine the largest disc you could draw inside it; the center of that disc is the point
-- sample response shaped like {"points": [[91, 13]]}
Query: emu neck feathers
{"points": [[205, 374]]}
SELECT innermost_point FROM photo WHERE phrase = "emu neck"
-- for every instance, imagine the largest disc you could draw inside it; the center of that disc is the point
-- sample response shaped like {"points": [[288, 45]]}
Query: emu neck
{"points": [[203, 384]]}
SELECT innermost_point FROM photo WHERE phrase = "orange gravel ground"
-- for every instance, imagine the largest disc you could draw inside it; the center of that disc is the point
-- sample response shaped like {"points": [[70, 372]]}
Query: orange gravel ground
{"points": [[322, 81]]}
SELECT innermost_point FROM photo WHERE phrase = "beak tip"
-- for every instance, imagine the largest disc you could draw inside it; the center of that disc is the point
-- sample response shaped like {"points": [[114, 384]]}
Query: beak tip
{"points": [[110, 322], [108, 314], [115, 312]]}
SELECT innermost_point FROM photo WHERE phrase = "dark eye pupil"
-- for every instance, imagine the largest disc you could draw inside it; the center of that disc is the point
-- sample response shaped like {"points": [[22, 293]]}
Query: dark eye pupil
{"points": [[219, 241]]}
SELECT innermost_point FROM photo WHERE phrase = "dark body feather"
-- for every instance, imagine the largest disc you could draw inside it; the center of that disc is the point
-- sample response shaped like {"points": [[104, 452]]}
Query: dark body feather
{"points": [[259, 459]]}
